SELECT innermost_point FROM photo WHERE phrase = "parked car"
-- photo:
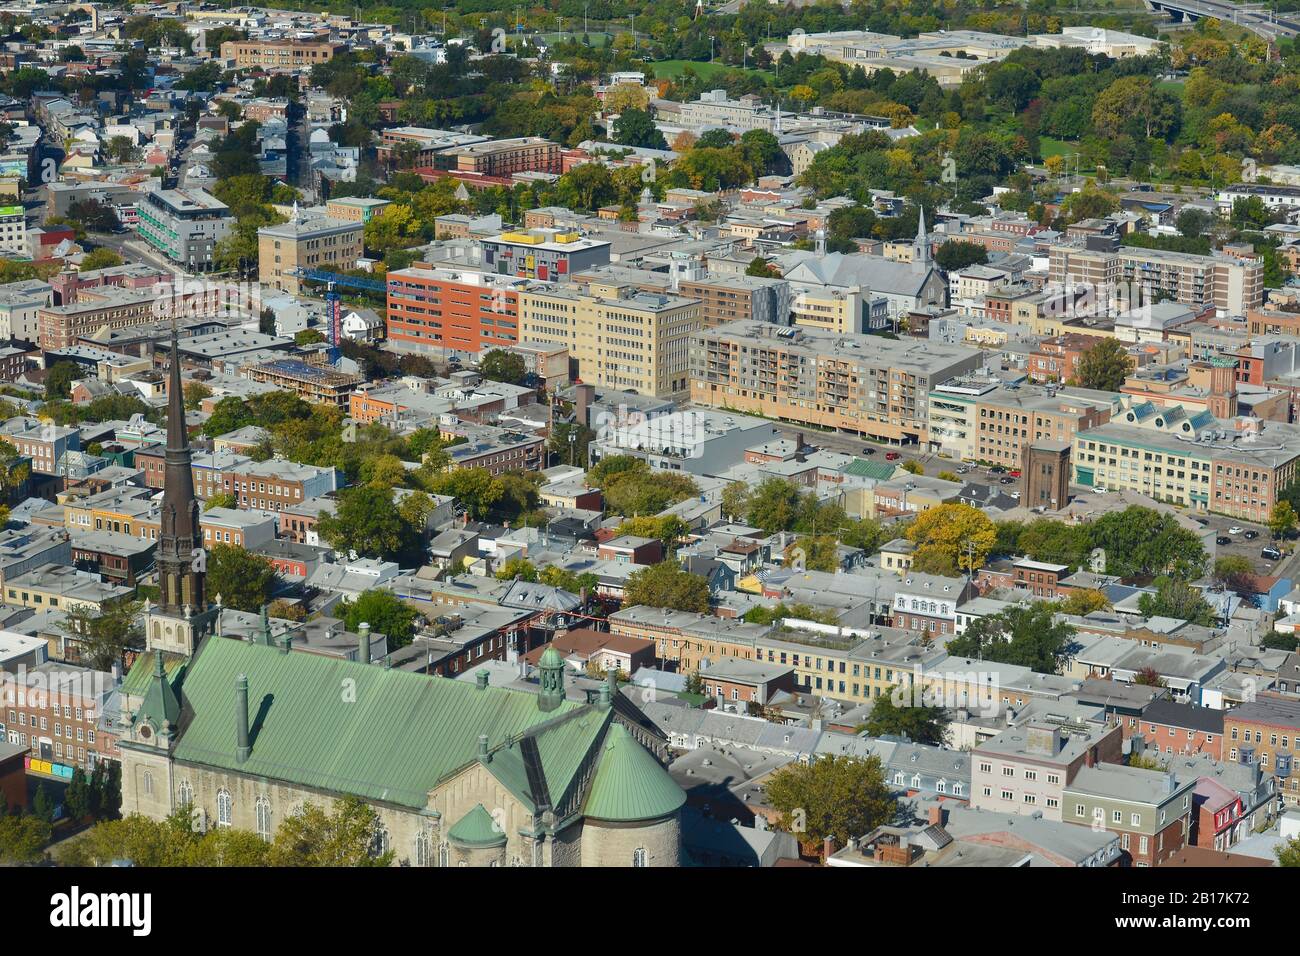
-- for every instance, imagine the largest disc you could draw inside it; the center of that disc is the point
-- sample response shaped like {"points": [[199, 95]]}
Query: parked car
{"points": [[1223, 539], [1014, 473], [1271, 554], [1008, 480], [1234, 530], [1251, 535], [868, 450], [997, 469], [964, 469], [892, 456]]}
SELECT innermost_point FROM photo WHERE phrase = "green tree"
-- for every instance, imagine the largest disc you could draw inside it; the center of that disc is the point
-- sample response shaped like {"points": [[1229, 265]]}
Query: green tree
{"points": [[499, 365], [105, 635], [1029, 636], [222, 499], [367, 521], [43, 804], [1104, 366], [952, 536], [761, 268], [1282, 522], [1233, 570], [637, 128], [100, 259], [670, 530], [838, 797], [195, 393], [1288, 853], [517, 568], [921, 723], [774, 505], [735, 501], [245, 581], [23, 838], [1143, 543], [386, 614], [667, 585], [346, 836], [76, 799], [1176, 598], [958, 254], [59, 378]]}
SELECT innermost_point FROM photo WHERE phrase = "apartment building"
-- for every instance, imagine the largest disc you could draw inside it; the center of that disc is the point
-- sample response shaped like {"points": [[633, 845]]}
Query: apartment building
{"points": [[1234, 284], [1169, 727], [311, 241], [1235, 467], [726, 299], [866, 384], [1266, 732], [503, 157], [280, 54], [854, 666], [59, 716], [62, 326], [545, 254], [271, 485], [1026, 770], [452, 311], [1150, 810], [13, 229], [184, 225], [1057, 358], [20, 306], [974, 418], [688, 638], [637, 340], [355, 208]]}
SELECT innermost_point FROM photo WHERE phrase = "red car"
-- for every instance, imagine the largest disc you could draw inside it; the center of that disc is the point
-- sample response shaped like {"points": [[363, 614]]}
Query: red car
{"points": [[891, 456], [1014, 473]]}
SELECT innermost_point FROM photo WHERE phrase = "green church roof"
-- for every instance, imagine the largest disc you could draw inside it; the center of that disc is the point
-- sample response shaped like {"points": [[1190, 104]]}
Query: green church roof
{"points": [[477, 828], [629, 783], [347, 727]]}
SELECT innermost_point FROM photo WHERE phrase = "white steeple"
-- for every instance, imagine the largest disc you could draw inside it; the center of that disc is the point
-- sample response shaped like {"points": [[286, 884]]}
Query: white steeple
{"points": [[921, 249]]}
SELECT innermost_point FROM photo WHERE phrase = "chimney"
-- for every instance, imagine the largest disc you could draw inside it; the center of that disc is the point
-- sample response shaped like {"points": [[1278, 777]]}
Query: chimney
{"points": [[935, 815], [584, 395], [1091, 757], [286, 645], [611, 680], [482, 746], [363, 642], [481, 679], [242, 748], [828, 848]]}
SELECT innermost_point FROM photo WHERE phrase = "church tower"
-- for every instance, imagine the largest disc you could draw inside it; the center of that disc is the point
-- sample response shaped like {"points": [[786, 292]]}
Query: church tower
{"points": [[181, 616], [921, 247]]}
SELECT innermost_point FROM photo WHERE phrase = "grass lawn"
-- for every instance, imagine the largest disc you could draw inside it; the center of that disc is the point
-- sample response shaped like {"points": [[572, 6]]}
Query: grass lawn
{"points": [[671, 69], [597, 39], [1059, 147]]}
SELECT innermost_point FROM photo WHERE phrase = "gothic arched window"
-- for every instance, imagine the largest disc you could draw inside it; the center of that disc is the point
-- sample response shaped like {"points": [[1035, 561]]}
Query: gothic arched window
{"points": [[263, 810], [224, 808]]}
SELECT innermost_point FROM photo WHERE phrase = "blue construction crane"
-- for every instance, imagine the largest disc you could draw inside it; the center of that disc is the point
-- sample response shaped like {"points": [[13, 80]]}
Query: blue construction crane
{"points": [[333, 280]]}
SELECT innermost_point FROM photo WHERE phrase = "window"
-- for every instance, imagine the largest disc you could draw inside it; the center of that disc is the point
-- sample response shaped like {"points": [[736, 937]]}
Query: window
{"points": [[147, 783], [1136, 819], [263, 810], [223, 808], [186, 793], [638, 856]]}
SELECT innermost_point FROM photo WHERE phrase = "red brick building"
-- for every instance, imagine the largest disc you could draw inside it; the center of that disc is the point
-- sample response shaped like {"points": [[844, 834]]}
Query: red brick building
{"points": [[445, 308], [1174, 728]]}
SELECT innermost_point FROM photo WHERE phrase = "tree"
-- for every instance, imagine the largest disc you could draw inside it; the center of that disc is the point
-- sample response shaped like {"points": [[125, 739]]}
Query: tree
{"points": [[841, 798], [1030, 636], [499, 365], [1176, 598], [104, 636], [956, 535], [1233, 570], [386, 614], [367, 521], [100, 259], [958, 254], [774, 505], [667, 585], [23, 838], [517, 568], [637, 128], [670, 530], [76, 799], [1104, 366], [1282, 522], [1081, 601], [1288, 853], [1192, 222], [245, 581], [59, 378], [921, 724], [195, 393], [346, 836], [222, 499], [819, 552], [1143, 543], [913, 467], [760, 267], [1149, 677], [43, 804], [735, 501]]}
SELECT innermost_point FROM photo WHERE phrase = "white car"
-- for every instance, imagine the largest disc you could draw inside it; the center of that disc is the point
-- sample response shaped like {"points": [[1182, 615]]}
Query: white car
{"points": [[1234, 530]]}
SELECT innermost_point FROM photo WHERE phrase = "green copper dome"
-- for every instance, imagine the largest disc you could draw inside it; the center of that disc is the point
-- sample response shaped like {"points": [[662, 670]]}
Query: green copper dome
{"points": [[630, 784], [551, 657], [477, 829]]}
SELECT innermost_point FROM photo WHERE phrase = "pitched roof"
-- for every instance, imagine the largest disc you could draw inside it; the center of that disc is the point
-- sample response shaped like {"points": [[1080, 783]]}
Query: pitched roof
{"points": [[314, 719], [477, 828]]}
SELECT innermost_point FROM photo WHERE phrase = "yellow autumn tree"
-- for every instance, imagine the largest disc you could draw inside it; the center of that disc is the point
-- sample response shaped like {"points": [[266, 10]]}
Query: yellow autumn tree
{"points": [[952, 536]]}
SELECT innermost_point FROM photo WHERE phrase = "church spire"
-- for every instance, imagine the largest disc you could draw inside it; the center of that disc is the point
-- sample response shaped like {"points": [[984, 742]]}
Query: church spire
{"points": [[180, 556], [921, 252]]}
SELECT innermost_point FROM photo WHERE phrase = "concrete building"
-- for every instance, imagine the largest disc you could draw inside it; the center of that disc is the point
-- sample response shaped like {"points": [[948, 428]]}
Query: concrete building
{"points": [[860, 383], [636, 341], [295, 55], [309, 241], [546, 254], [184, 225], [454, 312]]}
